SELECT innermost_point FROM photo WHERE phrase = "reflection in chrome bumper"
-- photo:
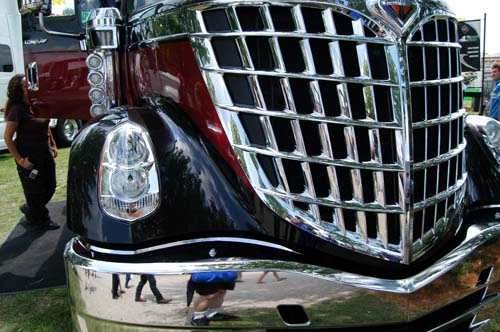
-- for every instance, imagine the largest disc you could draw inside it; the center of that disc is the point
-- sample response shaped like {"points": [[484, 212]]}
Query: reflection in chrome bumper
{"points": [[464, 282]]}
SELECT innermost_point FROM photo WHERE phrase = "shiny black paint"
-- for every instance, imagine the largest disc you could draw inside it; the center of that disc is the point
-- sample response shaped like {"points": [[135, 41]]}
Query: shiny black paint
{"points": [[483, 186], [196, 196]]}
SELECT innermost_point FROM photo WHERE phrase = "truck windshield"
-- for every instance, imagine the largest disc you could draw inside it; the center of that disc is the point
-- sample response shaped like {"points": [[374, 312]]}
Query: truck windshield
{"points": [[63, 8]]}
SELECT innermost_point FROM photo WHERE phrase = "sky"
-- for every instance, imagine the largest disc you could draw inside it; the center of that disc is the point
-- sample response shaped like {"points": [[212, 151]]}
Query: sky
{"points": [[475, 9]]}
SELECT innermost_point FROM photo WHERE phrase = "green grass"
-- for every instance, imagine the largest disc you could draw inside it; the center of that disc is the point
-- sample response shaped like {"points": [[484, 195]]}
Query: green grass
{"points": [[40, 311], [44, 310]]}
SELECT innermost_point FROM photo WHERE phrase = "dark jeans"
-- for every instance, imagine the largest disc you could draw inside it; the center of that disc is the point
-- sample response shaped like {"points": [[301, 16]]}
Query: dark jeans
{"points": [[39, 191], [152, 284]]}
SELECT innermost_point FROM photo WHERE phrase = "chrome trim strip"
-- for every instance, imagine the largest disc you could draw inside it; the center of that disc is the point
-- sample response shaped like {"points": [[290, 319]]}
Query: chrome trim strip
{"points": [[319, 160], [352, 204], [439, 197], [309, 76], [434, 44], [440, 120], [189, 242], [477, 235], [484, 207], [437, 82], [275, 34], [440, 159], [316, 117]]}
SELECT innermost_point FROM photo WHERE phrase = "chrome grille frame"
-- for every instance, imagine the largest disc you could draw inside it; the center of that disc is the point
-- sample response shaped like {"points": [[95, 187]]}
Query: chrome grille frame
{"points": [[281, 198], [383, 227]]}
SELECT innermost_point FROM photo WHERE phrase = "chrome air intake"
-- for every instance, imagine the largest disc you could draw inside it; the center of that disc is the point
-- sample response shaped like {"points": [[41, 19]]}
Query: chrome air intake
{"points": [[346, 127], [102, 31]]}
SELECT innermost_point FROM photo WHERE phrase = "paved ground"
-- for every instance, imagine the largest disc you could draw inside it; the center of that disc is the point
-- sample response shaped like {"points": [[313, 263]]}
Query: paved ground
{"points": [[247, 295]]}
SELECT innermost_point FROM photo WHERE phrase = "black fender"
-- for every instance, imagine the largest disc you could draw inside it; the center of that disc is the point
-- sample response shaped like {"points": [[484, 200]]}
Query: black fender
{"points": [[197, 196], [483, 182]]}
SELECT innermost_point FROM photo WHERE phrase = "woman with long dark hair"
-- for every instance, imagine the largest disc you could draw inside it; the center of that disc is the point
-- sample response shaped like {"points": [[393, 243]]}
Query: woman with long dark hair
{"points": [[34, 150]]}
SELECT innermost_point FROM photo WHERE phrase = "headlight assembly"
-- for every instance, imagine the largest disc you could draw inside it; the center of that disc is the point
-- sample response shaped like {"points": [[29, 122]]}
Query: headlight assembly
{"points": [[492, 129], [128, 177]]}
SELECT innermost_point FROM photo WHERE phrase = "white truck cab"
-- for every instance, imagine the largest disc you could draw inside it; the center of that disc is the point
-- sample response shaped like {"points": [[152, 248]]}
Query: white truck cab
{"points": [[11, 54]]}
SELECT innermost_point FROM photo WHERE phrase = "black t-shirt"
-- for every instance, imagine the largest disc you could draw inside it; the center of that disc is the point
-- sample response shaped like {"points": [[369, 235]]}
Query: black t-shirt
{"points": [[31, 133]]}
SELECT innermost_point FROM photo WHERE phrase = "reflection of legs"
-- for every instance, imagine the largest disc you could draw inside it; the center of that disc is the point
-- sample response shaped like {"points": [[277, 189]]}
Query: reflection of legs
{"points": [[203, 305], [154, 289], [114, 286], [277, 277], [208, 307], [262, 276], [152, 284], [140, 285], [211, 301], [127, 280]]}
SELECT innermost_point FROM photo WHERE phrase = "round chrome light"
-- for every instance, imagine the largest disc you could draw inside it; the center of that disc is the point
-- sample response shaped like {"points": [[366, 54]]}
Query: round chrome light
{"points": [[97, 95], [492, 129], [94, 61], [128, 185], [95, 78], [97, 109]]}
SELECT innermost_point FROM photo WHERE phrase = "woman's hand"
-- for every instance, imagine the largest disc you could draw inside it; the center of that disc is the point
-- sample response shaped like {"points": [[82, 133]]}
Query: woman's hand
{"points": [[27, 164], [54, 151]]}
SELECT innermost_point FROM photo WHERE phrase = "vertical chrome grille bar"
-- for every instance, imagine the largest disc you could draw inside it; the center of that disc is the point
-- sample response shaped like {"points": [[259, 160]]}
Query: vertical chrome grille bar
{"points": [[316, 97], [245, 54], [266, 17], [233, 18], [268, 131], [298, 19], [306, 51], [345, 106], [369, 97]]}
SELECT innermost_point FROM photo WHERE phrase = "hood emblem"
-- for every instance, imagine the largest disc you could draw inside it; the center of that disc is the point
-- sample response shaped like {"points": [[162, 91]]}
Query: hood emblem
{"points": [[397, 14], [401, 11]]}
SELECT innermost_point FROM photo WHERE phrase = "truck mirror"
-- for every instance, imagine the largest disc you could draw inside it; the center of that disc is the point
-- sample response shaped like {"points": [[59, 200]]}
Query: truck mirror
{"points": [[35, 7]]}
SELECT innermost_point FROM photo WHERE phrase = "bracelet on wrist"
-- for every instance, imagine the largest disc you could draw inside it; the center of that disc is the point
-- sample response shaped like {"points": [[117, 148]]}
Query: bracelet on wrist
{"points": [[20, 161]]}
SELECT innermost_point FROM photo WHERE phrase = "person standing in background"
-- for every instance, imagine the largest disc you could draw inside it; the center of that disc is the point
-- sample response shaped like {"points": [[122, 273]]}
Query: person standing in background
{"points": [[495, 95], [34, 150]]}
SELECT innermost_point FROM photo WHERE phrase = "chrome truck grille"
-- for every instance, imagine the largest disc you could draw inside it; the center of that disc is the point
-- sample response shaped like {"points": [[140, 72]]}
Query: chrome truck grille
{"points": [[344, 127]]}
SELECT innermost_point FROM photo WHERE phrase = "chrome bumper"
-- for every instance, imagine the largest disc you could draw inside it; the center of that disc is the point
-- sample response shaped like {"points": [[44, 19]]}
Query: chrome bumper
{"points": [[463, 285]]}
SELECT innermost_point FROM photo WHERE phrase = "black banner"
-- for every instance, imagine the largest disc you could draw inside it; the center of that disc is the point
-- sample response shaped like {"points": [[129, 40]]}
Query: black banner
{"points": [[469, 36]]}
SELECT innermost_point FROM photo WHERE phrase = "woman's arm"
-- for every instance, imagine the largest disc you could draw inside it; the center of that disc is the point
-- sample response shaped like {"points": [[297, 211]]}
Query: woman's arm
{"points": [[52, 144], [8, 136]]}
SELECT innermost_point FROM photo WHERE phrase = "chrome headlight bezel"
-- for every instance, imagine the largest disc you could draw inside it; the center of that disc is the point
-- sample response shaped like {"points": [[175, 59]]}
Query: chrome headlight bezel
{"points": [[489, 129], [128, 155]]}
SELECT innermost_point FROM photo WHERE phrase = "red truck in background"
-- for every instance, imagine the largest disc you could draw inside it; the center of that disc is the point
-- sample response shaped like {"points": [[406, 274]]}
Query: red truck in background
{"points": [[55, 68], [322, 140]]}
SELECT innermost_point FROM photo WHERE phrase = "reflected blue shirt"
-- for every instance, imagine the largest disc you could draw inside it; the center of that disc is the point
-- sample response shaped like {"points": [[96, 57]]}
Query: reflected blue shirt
{"points": [[495, 102]]}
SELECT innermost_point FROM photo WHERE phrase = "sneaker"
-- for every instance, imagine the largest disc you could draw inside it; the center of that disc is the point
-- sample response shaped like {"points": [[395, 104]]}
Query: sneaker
{"points": [[163, 301], [140, 299], [223, 317], [203, 321]]}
